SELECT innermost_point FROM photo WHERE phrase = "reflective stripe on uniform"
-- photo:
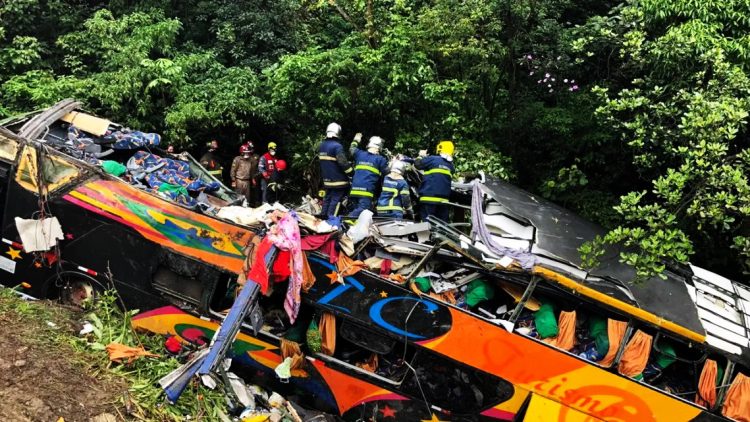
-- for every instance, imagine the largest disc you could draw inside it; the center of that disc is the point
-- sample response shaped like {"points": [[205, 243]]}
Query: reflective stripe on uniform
{"points": [[432, 199], [349, 170], [387, 189], [439, 171], [405, 192], [335, 184], [361, 193], [214, 172], [389, 208], [368, 168], [326, 157]]}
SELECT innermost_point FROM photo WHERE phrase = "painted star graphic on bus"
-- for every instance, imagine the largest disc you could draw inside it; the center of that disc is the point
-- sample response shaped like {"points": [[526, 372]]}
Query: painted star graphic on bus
{"points": [[334, 276], [388, 412], [383, 293], [14, 253]]}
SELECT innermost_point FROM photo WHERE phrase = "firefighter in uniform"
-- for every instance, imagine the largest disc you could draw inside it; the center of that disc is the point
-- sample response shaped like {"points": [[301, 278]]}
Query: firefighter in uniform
{"points": [[436, 183], [334, 170], [267, 167], [369, 168], [211, 160], [244, 169], [274, 182], [395, 198]]}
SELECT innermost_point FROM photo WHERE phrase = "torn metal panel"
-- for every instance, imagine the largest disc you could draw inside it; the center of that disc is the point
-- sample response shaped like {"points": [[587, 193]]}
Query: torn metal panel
{"points": [[400, 228], [560, 232], [87, 123]]}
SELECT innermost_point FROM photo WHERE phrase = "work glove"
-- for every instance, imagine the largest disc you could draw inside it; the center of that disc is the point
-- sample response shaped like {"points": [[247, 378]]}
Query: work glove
{"points": [[358, 137], [423, 153]]}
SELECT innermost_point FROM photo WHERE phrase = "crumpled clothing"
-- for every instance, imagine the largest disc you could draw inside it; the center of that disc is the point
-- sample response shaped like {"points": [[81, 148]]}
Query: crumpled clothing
{"points": [[113, 167], [264, 254], [248, 216], [132, 139], [285, 235], [118, 352], [314, 224], [314, 242], [346, 266], [385, 267]]}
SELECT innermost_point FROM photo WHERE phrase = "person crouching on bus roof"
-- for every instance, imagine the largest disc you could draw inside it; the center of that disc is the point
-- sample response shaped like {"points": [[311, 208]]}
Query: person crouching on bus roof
{"points": [[334, 170], [274, 182], [267, 167], [395, 199], [244, 168], [436, 183], [369, 168]]}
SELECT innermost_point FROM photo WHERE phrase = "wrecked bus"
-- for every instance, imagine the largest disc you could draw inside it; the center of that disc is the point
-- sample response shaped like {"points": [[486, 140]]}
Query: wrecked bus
{"points": [[436, 322]]}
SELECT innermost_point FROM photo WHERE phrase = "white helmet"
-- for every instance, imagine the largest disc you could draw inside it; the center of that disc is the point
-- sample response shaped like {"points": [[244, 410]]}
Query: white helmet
{"points": [[398, 166], [333, 130], [375, 142]]}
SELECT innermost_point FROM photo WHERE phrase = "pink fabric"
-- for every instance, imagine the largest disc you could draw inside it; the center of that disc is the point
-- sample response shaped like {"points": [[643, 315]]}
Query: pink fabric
{"points": [[385, 267], [285, 236]]}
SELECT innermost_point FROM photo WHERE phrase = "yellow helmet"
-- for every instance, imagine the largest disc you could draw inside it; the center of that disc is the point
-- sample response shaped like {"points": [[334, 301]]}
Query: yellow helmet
{"points": [[445, 147], [272, 145]]}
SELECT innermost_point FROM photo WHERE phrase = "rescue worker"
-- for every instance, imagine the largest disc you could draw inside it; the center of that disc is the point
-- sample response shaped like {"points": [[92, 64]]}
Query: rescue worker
{"points": [[244, 168], [334, 170], [369, 168], [395, 198], [274, 182], [267, 167], [436, 183], [211, 160]]}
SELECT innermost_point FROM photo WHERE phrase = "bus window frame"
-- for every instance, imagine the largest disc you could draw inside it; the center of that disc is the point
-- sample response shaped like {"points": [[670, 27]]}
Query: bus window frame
{"points": [[524, 298], [721, 395], [29, 161]]}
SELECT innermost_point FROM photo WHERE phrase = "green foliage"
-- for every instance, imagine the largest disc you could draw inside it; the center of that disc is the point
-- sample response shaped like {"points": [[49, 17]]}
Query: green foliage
{"points": [[684, 116]]}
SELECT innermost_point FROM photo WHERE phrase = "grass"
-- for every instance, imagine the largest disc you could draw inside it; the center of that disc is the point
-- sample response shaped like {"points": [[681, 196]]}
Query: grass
{"points": [[145, 399]]}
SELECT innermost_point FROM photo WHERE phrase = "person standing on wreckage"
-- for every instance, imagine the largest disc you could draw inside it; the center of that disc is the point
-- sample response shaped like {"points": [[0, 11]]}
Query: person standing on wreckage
{"points": [[369, 168], [395, 199], [244, 169], [334, 170], [435, 190]]}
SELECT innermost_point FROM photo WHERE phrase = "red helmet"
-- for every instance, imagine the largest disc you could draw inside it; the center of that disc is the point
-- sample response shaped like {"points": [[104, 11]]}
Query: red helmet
{"points": [[281, 165], [247, 147]]}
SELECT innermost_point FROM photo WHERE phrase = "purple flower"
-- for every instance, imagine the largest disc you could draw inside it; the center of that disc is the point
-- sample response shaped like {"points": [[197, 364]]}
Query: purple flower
{"points": [[565, 80], [549, 85], [553, 79], [529, 57], [539, 81], [531, 73], [546, 75], [575, 87], [572, 81], [551, 90]]}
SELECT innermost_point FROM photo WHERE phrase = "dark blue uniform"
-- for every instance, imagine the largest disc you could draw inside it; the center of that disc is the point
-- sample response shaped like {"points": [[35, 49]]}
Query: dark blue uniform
{"points": [[334, 168], [394, 198], [436, 186], [369, 168]]}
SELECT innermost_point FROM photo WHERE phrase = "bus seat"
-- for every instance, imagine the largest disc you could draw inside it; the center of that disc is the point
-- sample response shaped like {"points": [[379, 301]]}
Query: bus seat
{"points": [[737, 402], [566, 336], [635, 356], [706, 395], [615, 332]]}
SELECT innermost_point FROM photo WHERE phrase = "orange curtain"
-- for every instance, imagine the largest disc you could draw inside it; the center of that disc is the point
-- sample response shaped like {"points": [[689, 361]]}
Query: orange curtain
{"points": [[308, 278], [327, 328], [615, 332], [566, 337], [706, 395], [737, 402], [635, 356], [347, 266], [370, 364]]}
